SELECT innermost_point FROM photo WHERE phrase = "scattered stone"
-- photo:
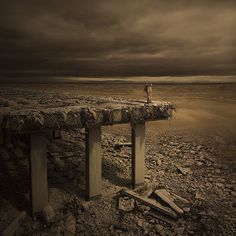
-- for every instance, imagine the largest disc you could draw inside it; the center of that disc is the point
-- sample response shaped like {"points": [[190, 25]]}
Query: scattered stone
{"points": [[199, 148], [70, 225], [180, 230], [186, 209], [48, 214], [160, 229], [140, 222], [184, 171], [220, 185], [199, 196], [233, 193], [200, 163], [126, 205]]}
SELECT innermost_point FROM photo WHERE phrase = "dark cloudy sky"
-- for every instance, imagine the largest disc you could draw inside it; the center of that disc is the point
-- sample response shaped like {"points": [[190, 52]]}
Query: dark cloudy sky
{"points": [[117, 37]]}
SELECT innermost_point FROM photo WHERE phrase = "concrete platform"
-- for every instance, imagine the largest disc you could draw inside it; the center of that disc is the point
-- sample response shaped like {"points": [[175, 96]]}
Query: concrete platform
{"points": [[32, 112], [24, 118]]}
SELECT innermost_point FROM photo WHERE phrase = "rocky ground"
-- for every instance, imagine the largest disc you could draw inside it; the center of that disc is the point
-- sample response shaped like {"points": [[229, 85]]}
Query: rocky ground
{"points": [[178, 161]]}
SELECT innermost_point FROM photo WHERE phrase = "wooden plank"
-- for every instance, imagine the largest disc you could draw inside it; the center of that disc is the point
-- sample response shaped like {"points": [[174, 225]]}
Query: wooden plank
{"points": [[164, 191], [151, 203], [138, 153], [161, 218], [93, 162], [147, 193], [38, 171], [180, 198], [173, 196], [168, 201]]}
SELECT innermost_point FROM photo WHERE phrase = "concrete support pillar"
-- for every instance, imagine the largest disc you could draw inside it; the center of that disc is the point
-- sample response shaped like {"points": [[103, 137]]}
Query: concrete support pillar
{"points": [[138, 153], [38, 172], [93, 162]]}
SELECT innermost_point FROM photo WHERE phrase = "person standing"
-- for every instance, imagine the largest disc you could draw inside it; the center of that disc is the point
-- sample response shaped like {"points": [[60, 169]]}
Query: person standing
{"points": [[148, 90]]}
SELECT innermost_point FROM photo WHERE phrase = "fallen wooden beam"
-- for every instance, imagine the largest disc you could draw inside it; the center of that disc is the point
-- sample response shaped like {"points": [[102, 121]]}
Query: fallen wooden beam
{"points": [[174, 196], [161, 218], [151, 203], [147, 193], [168, 201], [180, 198]]}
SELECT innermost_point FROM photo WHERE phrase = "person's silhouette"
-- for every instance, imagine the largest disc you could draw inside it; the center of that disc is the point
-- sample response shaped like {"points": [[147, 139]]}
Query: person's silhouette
{"points": [[148, 90]]}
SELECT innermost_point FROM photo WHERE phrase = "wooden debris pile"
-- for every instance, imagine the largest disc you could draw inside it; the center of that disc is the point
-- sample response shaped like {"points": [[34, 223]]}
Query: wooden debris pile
{"points": [[160, 201]]}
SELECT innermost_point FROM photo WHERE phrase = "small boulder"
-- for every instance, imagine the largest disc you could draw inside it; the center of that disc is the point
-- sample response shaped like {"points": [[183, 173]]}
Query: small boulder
{"points": [[48, 214], [126, 205]]}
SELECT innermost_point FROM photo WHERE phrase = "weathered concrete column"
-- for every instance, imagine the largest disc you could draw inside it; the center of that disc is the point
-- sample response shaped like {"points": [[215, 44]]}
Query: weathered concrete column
{"points": [[38, 171], [138, 153], [93, 162]]}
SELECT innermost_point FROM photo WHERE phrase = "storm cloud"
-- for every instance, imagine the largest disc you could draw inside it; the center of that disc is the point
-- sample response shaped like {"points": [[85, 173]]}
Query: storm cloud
{"points": [[117, 38]]}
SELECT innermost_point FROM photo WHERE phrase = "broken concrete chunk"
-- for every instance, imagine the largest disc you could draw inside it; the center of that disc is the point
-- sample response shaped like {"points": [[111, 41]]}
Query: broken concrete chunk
{"points": [[48, 214], [199, 196], [165, 198], [126, 205], [186, 209], [233, 193], [220, 185]]}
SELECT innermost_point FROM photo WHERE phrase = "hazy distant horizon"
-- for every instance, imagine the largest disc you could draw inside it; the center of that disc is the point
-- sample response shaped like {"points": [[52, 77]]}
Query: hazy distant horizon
{"points": [[130, 79]]}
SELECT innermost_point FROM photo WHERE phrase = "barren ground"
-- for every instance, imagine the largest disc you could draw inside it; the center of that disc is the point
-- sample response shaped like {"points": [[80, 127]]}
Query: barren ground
{"points": [[209, 184]]}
